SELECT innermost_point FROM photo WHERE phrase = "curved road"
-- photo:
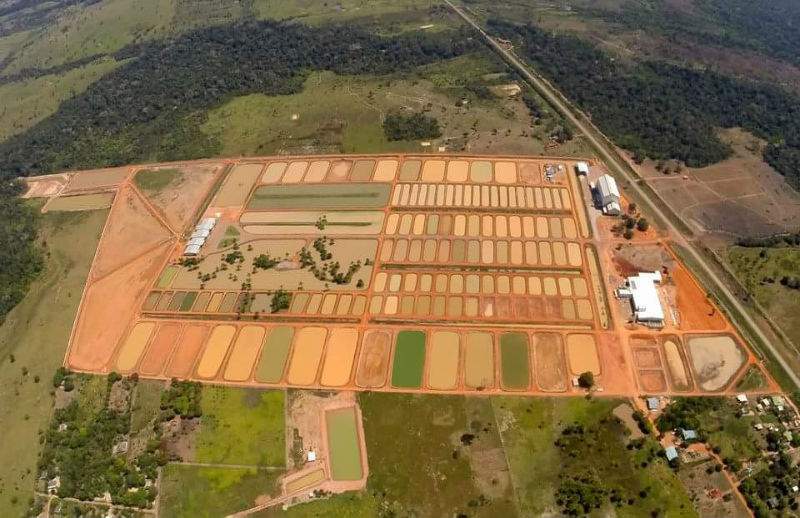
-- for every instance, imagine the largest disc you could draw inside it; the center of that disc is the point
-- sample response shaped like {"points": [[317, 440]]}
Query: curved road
{"points": [[615, 163]]}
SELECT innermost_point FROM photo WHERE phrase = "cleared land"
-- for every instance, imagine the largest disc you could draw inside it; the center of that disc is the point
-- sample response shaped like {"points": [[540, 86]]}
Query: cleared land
{"points": [[467, 241]]}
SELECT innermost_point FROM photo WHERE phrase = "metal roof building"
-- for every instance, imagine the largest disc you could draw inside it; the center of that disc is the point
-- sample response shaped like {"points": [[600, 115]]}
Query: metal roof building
{"points": [[582, 168], [641, 290], [671, 452], [191, 250]]}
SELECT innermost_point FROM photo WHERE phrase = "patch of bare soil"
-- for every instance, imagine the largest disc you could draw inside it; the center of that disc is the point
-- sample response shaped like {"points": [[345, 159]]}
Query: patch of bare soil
{"points": [[119, 396], [179, 437], [707, 492], [624, 413], [631, 259]]}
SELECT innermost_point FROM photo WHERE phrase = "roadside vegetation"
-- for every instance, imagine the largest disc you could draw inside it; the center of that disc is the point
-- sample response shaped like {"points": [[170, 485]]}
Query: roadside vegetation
{"points": [[659, 110]]}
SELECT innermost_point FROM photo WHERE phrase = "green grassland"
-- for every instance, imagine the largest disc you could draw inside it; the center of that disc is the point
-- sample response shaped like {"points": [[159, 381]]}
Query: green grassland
{"points": [[345, 114], [196, 492], [544, 458], [153, 181], [760, 270], [24, 103], [242, 426], [36, 333]]}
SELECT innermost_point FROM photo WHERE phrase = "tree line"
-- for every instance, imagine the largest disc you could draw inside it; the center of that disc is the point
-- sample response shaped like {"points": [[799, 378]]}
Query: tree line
{"points": [[660, 110], [151, 107]]}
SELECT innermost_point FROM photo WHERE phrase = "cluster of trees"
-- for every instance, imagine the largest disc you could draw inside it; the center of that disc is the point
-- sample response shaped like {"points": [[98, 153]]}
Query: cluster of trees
{"points": [[78, 448], [773, 482], [182, 398], [417, 126], [790, 239], [21, 259], [689, 413], [661, 110], [327, 270], [765, 26], [152, 106]]}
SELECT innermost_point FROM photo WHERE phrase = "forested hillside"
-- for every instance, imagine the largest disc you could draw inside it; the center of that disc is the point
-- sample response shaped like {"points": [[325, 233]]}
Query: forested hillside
{"points": [[151, 107], [661, 110]]}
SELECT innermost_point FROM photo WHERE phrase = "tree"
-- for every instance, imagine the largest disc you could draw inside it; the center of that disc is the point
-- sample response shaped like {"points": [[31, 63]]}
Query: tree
{"points": [[586, 380], [642, 225], [280, 300], [417, 126], [628, 234]]}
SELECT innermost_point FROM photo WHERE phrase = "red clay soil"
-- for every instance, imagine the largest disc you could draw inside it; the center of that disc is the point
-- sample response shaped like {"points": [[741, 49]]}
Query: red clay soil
{"points": [[652, 381], [374, 360], [185, 355], [131, 230], [646, 358], [617, 374], [623, 267], [549, 362], [160, 349], [697, 313], [529, 173], [179, 202], [107, 310]]}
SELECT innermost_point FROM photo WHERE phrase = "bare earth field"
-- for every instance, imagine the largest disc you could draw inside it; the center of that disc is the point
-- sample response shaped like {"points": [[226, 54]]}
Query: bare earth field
{"points": [[373, 250]]}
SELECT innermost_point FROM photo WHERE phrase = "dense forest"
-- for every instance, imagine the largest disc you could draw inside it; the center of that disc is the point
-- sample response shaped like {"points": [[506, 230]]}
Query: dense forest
{"points": [[151, 107], [20, 256], [765, 26], [661, 110]]}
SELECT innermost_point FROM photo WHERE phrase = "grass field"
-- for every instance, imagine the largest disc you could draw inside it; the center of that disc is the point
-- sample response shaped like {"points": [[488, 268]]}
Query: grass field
{"points": [[36, 333], [760, 270], [420, 466], [530, 428], [195, 492], [24, 103], [146, 404], [345, 113], [242, 426], [153, 181]]}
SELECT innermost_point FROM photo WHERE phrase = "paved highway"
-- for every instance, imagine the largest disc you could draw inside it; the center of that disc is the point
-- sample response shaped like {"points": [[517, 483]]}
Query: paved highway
{"points": [[617, 166]]}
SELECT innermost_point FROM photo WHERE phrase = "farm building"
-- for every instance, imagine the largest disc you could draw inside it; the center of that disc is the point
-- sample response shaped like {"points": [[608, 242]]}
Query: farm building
{"points": [[607, 193], [642, 292], [198, 238], [191, 250], [582, 168], [671, 453]]}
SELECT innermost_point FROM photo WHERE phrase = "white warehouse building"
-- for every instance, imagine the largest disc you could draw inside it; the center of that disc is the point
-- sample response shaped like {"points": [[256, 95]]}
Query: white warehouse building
{"points": [[607, 194], [643, 294]]}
